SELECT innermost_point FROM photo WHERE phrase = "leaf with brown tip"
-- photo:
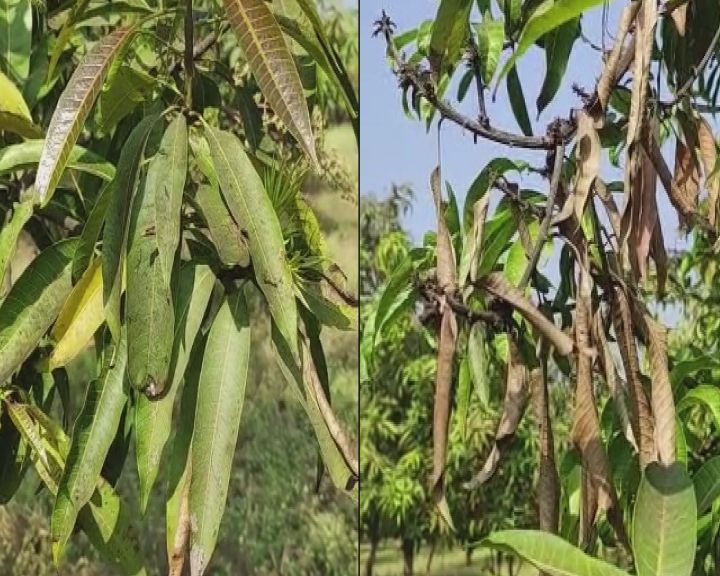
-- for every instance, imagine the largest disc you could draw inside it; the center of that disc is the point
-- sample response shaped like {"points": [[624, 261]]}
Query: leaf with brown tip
{"points": [[271, 62], [73, 108], [663, 405]]}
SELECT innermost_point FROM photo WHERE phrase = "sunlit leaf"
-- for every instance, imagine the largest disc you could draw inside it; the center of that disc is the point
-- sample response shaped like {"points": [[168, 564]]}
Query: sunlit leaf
{"points": [[14, 113], [11, 231], [449, 34], [490, 40], [73, 108], [270, 60]]}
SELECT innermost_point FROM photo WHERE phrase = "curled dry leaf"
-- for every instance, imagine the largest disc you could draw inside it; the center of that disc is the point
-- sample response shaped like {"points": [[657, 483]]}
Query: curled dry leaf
{"points": [[587, 156], [616, 386], [480, 210], [548, 481], [610, 206], [643, 216], [516, 395], [663, 406], [445, 255], [641, 417], [586, 426], [708, 156], [610, 73], [687, 176], [679, 17], [498, 286]]}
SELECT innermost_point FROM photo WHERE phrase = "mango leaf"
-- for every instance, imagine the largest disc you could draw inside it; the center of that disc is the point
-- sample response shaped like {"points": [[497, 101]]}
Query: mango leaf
{"points": [[65, 34], [33, 304], [10, 233], [490, 40], [704, 395], [707, 484], [91, 231], [115, 233], [127, 89], [14, 113], [81, 316], [517, 102], [177, 512], [73, 108], [664, 522], [340, 473], [271, 62], [171, 165], [327, 312], [103, 519], [253, 211], [221, 394], [547, 17], [224, 231], [153, 417], [27, 154], [93, 433], [149, 310], [549, 553], [449, 34], [16, 37], [558, 46]]}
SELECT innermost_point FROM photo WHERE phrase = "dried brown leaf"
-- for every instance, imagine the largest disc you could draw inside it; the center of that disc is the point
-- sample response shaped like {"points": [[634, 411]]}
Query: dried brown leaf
{"points": [[663, 406], [548, 481], [644, 216], [641, 417], [687, 176], [708, 155], [498, 286], [679, 17], [480, 210], [587, 156], [516, 396], [445, 255]]}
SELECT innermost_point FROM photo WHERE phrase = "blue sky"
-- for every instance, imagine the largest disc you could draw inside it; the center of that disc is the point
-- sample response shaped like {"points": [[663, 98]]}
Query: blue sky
{"points": [[395, 148]]}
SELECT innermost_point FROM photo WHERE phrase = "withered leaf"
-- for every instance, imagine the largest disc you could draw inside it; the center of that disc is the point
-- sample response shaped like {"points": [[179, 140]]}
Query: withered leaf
{"points": [[445, 254], [708, 155], [663, 406], [587, 156], [679, 17], [516, 396], [687, 175]]}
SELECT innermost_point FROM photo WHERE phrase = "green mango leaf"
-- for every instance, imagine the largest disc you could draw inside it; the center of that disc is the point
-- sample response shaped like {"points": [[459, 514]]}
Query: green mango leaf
{"points": [[91, 231], [271, 62], [10, 233], [706, 396], [32, 305], [517, 102], [14, 112], [93, 433], [477, 355], [340, 473], [664, 522], [490, 40], [449, 33], [153, 417], [707, 484], [512, 11], [122, 94], [16, 23], [27, 155], [73, 108], [149, 309], [115, 233], [327, 312], [547, 17], [558, 47], [170, 164], [177, 513], [549, 553], [252, 209], [224, 231], [103, 518], [220, 398], [516, 262]]}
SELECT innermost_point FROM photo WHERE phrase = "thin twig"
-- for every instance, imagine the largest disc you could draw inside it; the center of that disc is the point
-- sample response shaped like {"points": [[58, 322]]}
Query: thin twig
{"points": [[545, 225], [477, 72], [201, 47]]}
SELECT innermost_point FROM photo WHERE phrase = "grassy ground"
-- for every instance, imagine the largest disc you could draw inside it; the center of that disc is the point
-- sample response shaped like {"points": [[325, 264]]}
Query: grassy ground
{"points": [[445, 563]]}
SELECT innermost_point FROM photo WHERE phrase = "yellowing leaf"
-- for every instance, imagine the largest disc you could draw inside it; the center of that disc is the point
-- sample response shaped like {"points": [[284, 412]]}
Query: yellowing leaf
{"points": [[80, 317], [73, 108], [14, 113], [271, 62]]}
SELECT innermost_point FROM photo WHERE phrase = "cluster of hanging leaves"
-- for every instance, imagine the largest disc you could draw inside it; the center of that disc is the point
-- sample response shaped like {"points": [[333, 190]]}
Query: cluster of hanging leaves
{"points": [[156, 244], [628, 483]]}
